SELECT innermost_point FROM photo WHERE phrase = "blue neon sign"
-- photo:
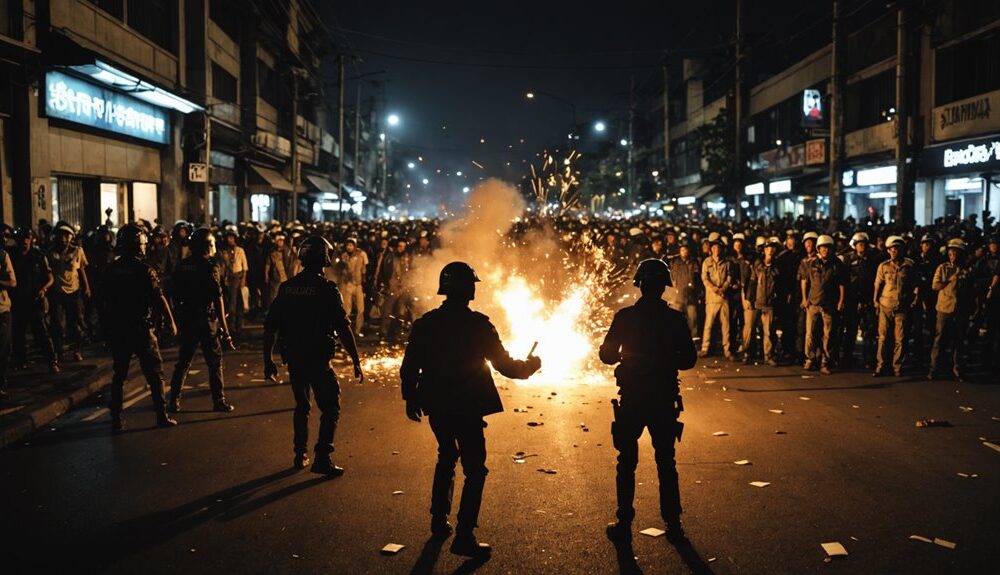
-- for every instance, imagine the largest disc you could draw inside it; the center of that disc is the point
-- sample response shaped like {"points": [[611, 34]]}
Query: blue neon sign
{"points": [[74, 100]]}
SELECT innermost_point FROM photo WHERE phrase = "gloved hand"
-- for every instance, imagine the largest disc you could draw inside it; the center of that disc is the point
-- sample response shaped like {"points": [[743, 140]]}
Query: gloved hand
{"points": [[270, 370], [413, 411], [358, 374], [534, 363]]}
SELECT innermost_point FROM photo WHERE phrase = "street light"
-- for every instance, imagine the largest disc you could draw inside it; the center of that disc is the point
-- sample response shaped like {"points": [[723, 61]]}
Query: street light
{"points": [[623, 142], [600, 127], [410, 165], [530, 95], [425, 181], [393, 119]]}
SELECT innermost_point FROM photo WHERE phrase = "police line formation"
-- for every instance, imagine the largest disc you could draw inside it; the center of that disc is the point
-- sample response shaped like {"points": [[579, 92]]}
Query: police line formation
{"points": [[777, 290]]}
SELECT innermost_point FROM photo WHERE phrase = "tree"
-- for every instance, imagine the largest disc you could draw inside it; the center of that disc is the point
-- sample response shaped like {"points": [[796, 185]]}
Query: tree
{"points": [[716, 141]]}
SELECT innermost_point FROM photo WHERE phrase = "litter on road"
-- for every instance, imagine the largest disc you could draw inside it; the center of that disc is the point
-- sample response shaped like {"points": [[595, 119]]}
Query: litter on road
{"points": [[804, 398], [944, 543], [742, 462], [392, 548], [548, 471], [834, 549], [933, 423], [759, 483], [652, 532], [966, 408], [720, 433], [992, 446], [778, 411]]}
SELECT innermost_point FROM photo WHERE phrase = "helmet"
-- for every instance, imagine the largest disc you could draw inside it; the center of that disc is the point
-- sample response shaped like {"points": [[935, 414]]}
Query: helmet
{"points": [[64, 228], [714, 238], [993, 239], [456, 277], [132, 240], [739, 236], [23, 232], [634, 232], [956, 243], [774, 241], [315, 250], [810, 236], [759, 241], [928, 238], [894, 241], [859, 237], [202, 242], [824, 240], [654, 271]]}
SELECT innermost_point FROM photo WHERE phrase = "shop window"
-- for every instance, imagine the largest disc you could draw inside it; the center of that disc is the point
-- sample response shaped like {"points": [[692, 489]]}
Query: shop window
{"points": [[67, 200], [144, 202], [261, 207], [226, 17], [967, 69], [154, 19], [224, 85], [109, 201]]}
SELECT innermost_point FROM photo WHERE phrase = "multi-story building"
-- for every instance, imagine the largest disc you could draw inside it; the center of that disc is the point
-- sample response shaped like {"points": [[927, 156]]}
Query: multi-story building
{"points": [[116, 110]]}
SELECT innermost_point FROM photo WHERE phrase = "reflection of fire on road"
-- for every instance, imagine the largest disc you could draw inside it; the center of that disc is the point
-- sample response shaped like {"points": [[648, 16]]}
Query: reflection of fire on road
{"points": [[533, 288]]}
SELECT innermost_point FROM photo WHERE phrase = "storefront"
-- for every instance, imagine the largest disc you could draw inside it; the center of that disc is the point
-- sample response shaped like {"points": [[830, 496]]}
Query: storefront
{"points": [[105, 147], [270, 193], [790, 180], [955, 178], [869, 191]]}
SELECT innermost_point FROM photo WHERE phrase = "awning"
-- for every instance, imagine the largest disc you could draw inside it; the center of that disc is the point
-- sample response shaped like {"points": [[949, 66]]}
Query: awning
{"points": [[323, 185], [695, 191], [271, 178], [703, 191]]}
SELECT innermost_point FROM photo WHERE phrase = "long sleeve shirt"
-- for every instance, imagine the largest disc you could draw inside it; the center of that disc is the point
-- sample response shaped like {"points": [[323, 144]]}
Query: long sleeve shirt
{"points": [[717, 277], [895, 284], [952, 284]]}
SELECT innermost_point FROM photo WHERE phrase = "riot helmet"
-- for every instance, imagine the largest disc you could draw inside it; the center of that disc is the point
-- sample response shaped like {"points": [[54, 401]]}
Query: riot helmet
{"points": [[315, 252], [202, 242], [132, 241], [652, 271], [458, 279]]}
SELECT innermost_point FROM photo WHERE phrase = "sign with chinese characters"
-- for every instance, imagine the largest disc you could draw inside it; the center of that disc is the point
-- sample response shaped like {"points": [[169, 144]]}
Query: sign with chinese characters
{"points": [[957, 157], [967, 117], [197, 172], [815, 152], [74, 100]]}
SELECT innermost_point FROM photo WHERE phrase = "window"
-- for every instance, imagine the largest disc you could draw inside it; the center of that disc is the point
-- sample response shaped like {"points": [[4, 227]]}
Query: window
{"points": [[224, 85], [226, 17], [968, 69], [154, 19], [870, 101], [267, 82], [11, 19]]}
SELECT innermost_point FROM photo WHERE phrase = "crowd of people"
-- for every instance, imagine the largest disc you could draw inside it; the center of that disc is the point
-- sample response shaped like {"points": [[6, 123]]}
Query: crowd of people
{"points": [[788, 291]]}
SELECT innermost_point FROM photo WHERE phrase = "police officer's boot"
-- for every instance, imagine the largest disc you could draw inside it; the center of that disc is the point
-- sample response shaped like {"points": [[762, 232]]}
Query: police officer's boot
{"points": [[440, 527], [619, 531], [221, 405], [174, 403], [164, 420], [324, 466], [466, 544], [301, 461]]}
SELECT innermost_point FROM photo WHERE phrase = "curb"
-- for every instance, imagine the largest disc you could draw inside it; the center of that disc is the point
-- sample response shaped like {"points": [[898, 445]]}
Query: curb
{"points": [[42, 415]]}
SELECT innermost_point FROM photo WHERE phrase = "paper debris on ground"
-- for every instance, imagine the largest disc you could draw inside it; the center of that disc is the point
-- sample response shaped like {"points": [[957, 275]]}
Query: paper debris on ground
{"points": [[804, 398], [711, 559], [944, 543], [966, 408], [759, 483], [968, 475], [709, 381], [920, 538], [258, 380], [992, 446], [932, 423], [726, 399], [995, 418], [778, 411], [856, 406], [742, 462], [834, 549], [535, 423], [808, 377], [397, 492], [548, 471], [720, 433], [652, 532], [392, 548]]}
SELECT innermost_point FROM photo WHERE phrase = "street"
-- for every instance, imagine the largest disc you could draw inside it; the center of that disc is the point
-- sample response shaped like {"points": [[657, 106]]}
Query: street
{"points": [[844, 462]]}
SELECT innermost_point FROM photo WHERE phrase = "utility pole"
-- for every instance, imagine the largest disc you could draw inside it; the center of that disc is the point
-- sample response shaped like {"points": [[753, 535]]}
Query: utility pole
{"points": [[357, 135], [735, 193], [666, 122], [207, 188], [295, 144], [836, 120], [904, 194], [631, 144], [340, 138]]}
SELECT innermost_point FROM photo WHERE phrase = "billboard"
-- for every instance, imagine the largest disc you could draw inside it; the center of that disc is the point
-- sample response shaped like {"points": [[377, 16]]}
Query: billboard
{"points": [[812, 108]]}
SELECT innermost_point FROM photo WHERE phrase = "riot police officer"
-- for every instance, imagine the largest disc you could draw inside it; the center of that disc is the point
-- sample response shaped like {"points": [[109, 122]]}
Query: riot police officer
{"points": [[445, 375], [129, 291], [197, 286], [650, 342], [307, 317]]}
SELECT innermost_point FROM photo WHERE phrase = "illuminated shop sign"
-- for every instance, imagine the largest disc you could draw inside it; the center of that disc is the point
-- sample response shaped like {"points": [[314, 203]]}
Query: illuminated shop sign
{"points": [[74, 100], [812, 108], [958, 157]]}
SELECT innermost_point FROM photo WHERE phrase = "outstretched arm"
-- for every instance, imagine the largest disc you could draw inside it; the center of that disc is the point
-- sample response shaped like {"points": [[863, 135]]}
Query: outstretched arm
{"points": [[504, 363]]}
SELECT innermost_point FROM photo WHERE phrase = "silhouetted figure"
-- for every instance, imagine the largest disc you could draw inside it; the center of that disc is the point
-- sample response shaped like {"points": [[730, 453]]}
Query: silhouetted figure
{"points": [[306, 318], [197, 286], [445, 375], [650, 342], [129, 292]]}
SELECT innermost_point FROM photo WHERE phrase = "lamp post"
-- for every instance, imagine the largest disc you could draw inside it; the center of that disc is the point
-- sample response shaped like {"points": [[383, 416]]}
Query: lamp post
{"points": [[532, 94]]}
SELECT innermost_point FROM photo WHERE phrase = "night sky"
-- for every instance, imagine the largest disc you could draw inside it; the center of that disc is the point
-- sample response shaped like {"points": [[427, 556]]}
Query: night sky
{"points": [[458, 72]]}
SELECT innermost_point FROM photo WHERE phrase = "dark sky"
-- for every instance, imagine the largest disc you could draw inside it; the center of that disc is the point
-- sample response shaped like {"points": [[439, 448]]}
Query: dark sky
{"points": [[458, 72]]}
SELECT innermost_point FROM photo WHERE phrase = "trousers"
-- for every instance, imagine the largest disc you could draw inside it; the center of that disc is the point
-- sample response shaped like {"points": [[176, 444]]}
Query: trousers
{"points": [[819, 344], [322, 382], [716, 311], [459, 437], [894, 320], [66, 310], [354, 303], [949, 335], [661, 420], [190, 339], [30, 312], [145, 347]]}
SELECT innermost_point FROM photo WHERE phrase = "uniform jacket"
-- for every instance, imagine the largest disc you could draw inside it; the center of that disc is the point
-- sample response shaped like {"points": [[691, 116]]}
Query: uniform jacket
{"points": [[307, 315], [650, 342], [764, 282], [444, 368], [686, 277], [129, 289], [895, 284], [197, 288], [823, 280], [861, 276], [716, 275], [32, 271], [953, 285]]}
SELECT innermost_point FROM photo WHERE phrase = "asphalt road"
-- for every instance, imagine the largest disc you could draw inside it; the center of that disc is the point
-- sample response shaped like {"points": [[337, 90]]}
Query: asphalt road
{"points": [[216, 494]]}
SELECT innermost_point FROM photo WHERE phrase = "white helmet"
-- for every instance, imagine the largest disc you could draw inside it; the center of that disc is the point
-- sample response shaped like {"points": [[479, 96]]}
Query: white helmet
{"points": [[824, 240], [894, 241], [859, 237], [810, 236]]}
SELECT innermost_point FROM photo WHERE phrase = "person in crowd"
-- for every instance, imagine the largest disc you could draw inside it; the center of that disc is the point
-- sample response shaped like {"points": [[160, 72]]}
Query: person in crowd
{"points": [[894, 298], [953, 285], [716, 276], [28, 305], [71, 286], [823, 288]]}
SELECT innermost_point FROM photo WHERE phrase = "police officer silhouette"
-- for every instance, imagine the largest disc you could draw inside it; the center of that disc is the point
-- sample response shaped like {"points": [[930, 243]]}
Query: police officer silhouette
{"points": [[201, 317], [129, 293], [650, 342], [445, 376], [305, 319]]}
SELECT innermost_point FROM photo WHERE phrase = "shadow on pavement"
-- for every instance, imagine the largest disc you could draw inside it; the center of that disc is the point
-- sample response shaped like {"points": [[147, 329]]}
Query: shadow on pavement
{"points": [[691, 557], [428, 556], [470, 566], [104, 548], [625, 555]]}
